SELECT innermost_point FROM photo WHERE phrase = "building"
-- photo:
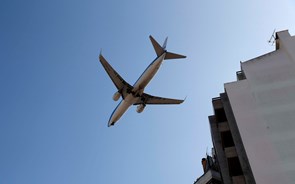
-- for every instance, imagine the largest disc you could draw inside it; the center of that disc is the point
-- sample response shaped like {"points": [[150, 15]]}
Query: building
{"points": [[253, 126], [211, 171]]}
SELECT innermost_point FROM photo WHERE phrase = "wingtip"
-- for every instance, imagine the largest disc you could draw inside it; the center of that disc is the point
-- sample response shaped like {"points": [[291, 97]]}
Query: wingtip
{"points": [[184, 100], [100, 57], [151, 38], [182, 56]]}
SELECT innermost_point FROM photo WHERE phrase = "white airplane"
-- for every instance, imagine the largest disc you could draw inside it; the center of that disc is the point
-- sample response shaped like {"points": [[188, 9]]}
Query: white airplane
{"points": [[134, 95]]}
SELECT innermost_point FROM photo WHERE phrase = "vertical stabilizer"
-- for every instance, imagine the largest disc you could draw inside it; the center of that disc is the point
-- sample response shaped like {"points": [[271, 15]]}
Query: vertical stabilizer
{"points": [[165, 43]]}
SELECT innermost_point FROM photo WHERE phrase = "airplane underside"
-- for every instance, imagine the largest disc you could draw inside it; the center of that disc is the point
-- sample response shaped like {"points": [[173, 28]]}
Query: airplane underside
{"points": [[134, 95]]}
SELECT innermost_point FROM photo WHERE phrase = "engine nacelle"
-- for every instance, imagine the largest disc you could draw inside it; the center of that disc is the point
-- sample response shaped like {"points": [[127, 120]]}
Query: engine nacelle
{"points": [[116, 96], [140, 108]]}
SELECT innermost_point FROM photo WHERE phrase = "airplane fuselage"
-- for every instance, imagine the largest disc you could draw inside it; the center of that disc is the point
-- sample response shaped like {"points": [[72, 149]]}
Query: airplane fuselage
{"points": [[137, 90]]}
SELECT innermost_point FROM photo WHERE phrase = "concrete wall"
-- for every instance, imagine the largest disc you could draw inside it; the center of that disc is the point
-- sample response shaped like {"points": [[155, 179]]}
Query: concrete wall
{"points": [[215, 133], [239, 146], [264, 108]]}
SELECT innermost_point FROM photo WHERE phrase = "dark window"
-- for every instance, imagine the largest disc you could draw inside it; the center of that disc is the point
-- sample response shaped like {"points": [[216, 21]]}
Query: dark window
{"points": [[234, 166], [214, 181], [227, 139], [220, 115]]}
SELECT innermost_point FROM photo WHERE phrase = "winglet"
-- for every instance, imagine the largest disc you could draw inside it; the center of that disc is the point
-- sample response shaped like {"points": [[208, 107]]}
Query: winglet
{"points": [[181, 101], [100, 55], [184, 99]]}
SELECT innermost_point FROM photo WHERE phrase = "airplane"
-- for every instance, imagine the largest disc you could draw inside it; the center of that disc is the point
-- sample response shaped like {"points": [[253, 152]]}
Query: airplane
{"points": [[134, 95]]}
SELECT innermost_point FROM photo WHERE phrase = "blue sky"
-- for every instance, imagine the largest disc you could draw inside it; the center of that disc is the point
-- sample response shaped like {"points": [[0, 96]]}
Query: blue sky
{"points": [[56, 99]]}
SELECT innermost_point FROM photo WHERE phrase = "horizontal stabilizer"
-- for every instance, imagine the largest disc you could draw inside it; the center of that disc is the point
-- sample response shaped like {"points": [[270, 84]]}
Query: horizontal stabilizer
{"points": [[170, 55], [159, 50]]}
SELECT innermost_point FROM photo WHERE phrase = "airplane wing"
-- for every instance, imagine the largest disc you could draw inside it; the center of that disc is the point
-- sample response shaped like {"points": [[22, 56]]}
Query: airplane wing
{"points": [[119, 82], [149, 99]]}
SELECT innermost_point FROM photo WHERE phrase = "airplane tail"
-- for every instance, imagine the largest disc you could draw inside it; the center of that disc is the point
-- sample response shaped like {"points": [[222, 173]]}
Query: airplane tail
{"points": [[161, 49]]}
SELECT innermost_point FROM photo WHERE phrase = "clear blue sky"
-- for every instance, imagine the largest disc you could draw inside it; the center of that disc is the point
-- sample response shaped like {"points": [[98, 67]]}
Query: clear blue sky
{"points": [[56, 99]]}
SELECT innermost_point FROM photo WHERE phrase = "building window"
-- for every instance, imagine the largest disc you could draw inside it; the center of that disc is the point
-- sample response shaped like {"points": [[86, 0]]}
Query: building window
{"points": [[234, 166], [227, 139], [220, 115]]}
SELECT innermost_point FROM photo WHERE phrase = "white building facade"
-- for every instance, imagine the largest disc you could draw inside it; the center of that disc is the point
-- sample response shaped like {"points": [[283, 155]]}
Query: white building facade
{"points": [[263, 106]]}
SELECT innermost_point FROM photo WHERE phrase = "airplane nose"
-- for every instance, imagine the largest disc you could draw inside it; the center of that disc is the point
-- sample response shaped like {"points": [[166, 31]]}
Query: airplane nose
{"points": [[111, 123]]}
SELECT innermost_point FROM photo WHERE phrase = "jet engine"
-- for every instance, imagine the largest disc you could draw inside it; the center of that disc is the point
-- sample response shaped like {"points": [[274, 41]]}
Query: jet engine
{"points": [[116, 96], [140, 108]]}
